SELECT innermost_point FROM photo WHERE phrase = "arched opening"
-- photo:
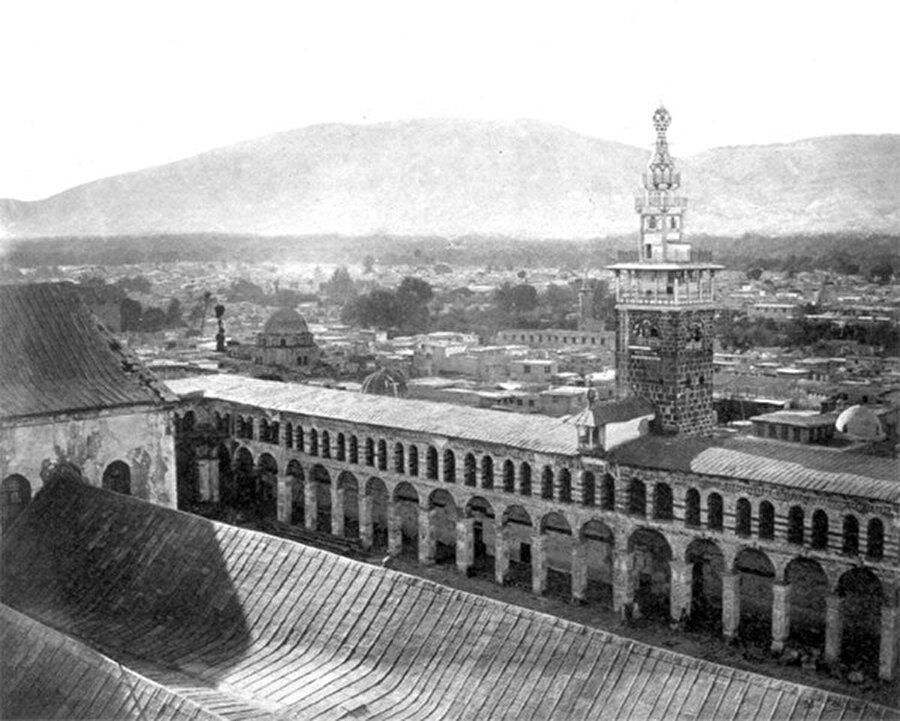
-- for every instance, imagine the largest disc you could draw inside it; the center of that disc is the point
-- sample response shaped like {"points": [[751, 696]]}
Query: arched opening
{"points": [[413, 460], [431, 463], [349, 488], [766, 521], [509, 476], [565, 486], [300, 440], [15, 495], [809, 588], [406, 504], [692, 508], [377, 491], [449, 466], [547, 483], [321, 480], [819, 537], [652, 573], [599, 546], [715, 512], [875, 540], [289, 435], [558, 544], [525, 479], [662, 502], [245, 477], [267, 487], [443, 519], [863, 596], [795, 525], [707, 566], [608, 493], [487, 472], [637, 498], [117, 478], [340, 450], [326, 444], [313, 442], [382, 455], [518, 532], [469, 470], [298, 499], [850, 545], [399, 458], [353, 451], [742, 517], [228, 489], [370, 452], [757, 575], [588, 489], [483, 536]]}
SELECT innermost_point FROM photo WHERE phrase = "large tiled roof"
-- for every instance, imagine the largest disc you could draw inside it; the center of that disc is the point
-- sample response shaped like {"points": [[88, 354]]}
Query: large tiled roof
{"points": [[254, 626], [55, 357], [530, 432], [796, 465]]}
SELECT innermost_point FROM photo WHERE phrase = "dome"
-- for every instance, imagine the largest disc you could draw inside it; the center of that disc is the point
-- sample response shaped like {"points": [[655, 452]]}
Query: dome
{"points": [[285, 321], [861, 423], [385, 382]]}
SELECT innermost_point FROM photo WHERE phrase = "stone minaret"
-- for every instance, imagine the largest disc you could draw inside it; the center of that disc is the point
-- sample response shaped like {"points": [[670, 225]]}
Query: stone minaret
{"points": [[665, 304]]}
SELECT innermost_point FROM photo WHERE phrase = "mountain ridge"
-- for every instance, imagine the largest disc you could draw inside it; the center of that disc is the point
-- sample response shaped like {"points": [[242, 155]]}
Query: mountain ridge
{"points": [[521, 178]]}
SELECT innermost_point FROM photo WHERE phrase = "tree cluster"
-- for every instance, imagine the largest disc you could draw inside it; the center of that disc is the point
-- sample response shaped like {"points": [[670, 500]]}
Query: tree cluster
{"points": [[404, 310]]}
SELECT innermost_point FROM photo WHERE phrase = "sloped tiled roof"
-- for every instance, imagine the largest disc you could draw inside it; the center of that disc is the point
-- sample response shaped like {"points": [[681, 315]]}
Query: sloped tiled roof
{"points": [[55, 357], [796, 465], [530, 432], [217, 611]]}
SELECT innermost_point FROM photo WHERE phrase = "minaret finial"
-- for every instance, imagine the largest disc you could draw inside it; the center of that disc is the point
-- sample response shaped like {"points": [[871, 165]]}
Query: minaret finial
{"points": [[662, 175]]}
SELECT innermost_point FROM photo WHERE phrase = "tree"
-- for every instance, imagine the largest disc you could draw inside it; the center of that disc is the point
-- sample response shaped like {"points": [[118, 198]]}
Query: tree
{"points": [[882, 272], [154, 319], [131, 314], [754, 273], [173, 313]]}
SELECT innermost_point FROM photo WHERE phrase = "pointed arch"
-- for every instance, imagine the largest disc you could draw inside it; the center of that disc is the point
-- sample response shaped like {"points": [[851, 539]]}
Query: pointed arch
{"points": [[547, 483], [742, 517], [565, 485], [509, 476], [588, 489], [469, 472], [819, 535], [608, 493], [399, 458], [487, 472], [431, 463], [117, 478], [413, 467], [525, 478], [15, 495], [449, 466]]}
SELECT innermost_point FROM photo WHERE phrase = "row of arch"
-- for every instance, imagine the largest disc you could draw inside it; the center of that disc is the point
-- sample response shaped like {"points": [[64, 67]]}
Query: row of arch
{"points": [[16, 490], [817, 532], [548, 555]]}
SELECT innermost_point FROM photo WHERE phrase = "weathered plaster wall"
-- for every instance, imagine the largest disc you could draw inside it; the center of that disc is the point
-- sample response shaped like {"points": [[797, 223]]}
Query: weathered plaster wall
{"points": [[143, 439]]}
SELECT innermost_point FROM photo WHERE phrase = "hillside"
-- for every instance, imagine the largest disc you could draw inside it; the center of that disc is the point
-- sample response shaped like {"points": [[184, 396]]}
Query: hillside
{"points": [[450, 178]]}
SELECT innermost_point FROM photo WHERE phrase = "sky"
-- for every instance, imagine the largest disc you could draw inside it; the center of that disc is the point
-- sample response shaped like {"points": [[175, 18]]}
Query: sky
{"points": [[95, 88]]}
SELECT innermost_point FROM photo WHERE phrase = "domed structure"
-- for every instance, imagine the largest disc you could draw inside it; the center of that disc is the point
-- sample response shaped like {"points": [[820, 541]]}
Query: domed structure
{"points": [[860, 423], [285, 321], [386, 382], [286, 341]]}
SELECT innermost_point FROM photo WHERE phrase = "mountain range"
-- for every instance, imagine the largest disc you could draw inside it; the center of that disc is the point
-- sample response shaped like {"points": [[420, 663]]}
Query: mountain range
{"points": [[458, 177]]}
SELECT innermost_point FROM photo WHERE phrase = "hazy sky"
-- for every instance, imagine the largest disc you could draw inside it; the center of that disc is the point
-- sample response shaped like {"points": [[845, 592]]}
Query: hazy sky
{"points": [[92, 89]]}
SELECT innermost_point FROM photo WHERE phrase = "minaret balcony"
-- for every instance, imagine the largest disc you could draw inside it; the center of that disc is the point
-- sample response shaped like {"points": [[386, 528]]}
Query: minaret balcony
{"points": [[666, 299], [657, 199]]}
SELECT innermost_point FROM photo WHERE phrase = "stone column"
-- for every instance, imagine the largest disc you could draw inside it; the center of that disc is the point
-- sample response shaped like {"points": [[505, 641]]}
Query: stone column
{"points": [[285, 501], [337, 509], [623, 590], [465, 544], [426, 536], [501, 554], [834, 626], [731, 604], [579, 571], [311, 504], [680, 588], [781, 615], [395, 534], [887, 655], [538, 564], [366, 530], [208, 479]]}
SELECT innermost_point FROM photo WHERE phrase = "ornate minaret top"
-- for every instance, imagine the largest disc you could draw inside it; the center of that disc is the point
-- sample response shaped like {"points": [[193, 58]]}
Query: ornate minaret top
{"points": [[661, 173]]}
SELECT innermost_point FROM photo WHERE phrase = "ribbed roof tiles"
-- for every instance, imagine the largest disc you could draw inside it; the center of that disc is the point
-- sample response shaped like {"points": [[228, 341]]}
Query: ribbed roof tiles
{"points": [[56, 357]]}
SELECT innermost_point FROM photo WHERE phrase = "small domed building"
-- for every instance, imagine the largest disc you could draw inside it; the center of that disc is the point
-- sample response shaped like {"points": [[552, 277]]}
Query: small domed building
{"points": [[286, 341], [386, 382]]}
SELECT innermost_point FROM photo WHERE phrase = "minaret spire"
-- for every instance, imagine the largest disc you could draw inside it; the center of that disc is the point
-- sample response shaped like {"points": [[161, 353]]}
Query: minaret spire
{"points": [[661, 173]]}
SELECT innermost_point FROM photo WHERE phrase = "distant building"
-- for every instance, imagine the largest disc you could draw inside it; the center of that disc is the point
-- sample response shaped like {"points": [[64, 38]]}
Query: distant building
{"points": [[286, 341]]}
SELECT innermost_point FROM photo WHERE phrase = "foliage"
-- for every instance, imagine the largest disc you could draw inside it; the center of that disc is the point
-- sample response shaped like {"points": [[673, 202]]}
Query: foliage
{"points": [[404, 310]]}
